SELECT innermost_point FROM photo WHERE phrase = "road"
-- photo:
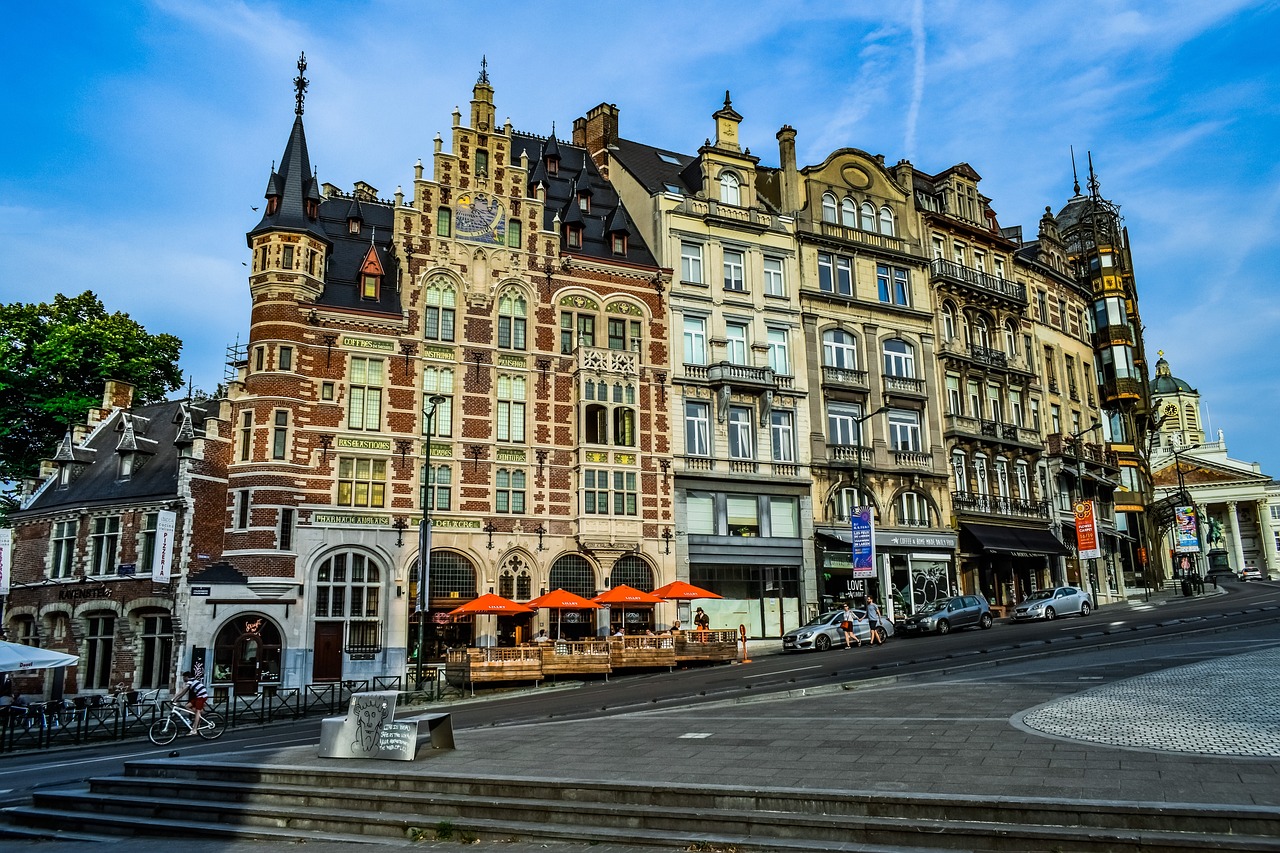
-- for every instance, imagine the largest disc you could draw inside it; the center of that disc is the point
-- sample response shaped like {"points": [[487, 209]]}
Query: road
{"points": [[1242, 608]]}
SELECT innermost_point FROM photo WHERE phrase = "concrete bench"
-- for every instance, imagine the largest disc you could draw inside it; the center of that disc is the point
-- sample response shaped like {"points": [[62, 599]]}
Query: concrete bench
{"points": [[370, 730]]}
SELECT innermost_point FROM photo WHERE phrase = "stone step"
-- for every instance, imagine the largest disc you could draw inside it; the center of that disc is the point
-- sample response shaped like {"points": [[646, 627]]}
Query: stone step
{"points": [[1133, 816], [327, 812]]}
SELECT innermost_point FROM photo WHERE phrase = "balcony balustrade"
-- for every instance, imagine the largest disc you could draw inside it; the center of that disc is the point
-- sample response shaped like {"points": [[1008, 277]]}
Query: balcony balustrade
{"points": [[989, 356], [845, 377], [913, 459], [1062, 445], [981, 281], [1111, 335], [835, 230], [616, 361], [973, 502], [849, 453], [1114, 389], [903, 383], [706, 208], [744, 466]]}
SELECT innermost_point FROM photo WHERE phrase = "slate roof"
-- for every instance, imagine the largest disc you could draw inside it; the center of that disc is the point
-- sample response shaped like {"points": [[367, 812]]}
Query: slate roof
{"points": [[578, 172], [660, 170], [294, 183], [347, 253], [155, 474]]}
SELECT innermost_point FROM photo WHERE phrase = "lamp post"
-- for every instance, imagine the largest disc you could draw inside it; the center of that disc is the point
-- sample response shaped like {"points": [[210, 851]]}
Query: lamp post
{"points": [[861, 492], [424, 539], [1195, 511], [1076, 448]]}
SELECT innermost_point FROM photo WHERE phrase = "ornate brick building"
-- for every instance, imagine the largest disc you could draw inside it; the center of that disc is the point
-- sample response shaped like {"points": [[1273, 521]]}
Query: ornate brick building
{"points": [[495, 348]]}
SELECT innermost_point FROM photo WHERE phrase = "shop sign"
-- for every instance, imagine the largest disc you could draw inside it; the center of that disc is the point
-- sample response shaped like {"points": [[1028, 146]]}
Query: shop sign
{"points": [[200, 591], [364, 443], [352, 342], [342, 518], [81, 593], [915, 540]]}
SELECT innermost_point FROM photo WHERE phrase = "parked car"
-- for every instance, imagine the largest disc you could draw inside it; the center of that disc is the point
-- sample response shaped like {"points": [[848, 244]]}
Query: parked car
{"points": [[944, 615], [1251, 573], [1053, 602], [824, 632]]}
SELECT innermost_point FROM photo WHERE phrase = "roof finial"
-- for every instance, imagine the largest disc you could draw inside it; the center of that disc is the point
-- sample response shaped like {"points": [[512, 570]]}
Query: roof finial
{"points": [[1074, 177], [1093, 178], [300, 82], [727, 104], [484, 69]]}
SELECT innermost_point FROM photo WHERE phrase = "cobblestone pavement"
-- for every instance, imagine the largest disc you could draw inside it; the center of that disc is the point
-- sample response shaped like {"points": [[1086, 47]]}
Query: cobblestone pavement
{"points": [[1151, 711]]}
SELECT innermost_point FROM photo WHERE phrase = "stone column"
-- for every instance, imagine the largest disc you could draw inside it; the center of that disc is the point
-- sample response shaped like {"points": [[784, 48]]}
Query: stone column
{"points": [[1269, 539], [1237, 548]]}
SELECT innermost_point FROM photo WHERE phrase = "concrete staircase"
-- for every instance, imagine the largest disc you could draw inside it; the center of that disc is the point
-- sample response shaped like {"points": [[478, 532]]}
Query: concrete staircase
{"points": [[181, 798]]}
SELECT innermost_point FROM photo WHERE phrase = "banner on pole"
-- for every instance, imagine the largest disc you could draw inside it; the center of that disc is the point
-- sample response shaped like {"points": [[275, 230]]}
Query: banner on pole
{"points": [[6, 558], [162, 557], [1188, 530], [1087, 531], [864, 542]]}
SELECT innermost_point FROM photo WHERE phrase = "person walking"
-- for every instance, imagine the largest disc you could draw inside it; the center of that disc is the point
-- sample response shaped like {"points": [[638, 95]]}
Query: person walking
{"points": [[199, 696], [846, 625], [873, 621]]}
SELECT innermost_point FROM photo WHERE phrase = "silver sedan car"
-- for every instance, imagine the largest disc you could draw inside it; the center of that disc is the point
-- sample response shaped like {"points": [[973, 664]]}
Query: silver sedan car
{"points": [[1052, 603], [824, 632]]}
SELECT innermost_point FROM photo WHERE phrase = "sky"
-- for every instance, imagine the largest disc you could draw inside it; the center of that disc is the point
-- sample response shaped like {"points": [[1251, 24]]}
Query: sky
{"points": [[142, 133]]}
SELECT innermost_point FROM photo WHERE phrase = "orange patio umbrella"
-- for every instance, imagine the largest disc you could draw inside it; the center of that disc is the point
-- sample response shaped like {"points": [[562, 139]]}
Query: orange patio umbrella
{"points": [[558, 600], [624, 595], [492, 604], [681, 591]]}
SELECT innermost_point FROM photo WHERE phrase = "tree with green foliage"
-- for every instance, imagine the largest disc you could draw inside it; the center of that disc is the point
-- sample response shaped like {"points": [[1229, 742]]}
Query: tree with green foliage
{"points": [[54, 358]]}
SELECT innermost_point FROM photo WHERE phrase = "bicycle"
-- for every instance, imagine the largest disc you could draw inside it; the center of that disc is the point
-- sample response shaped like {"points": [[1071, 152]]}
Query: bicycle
{"points": [[164, 730]]}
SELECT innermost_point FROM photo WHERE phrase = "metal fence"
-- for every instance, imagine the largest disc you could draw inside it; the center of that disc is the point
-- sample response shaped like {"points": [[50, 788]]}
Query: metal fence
{"points": [[89, 720]]}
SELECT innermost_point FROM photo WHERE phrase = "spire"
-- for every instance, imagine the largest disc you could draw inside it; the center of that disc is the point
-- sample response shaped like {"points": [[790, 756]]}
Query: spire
{"points": [[293, 191], [484, 69], [619, 222], [1075, 179], [300, 83]]}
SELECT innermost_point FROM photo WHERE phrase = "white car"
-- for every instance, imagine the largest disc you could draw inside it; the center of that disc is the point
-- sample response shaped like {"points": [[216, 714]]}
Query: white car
{"points": [[1052, 603], [1251, 573]]}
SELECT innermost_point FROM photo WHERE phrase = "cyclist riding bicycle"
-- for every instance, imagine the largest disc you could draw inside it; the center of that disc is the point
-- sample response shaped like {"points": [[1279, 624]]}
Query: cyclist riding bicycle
{"points": [[199, 696]]}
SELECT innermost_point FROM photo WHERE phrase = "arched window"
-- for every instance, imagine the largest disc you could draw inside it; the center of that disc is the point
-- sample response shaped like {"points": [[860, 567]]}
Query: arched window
{"points": [[959, 470], [828, 207], [948, 321], [515, 581], [452, 576], [839, 349], [632, 571], [868, 220], [886, 222], [442, 302], [980, 474], [346, 589], [512, 312], [899, 359], [913, 510], [848, 213], [981, 332], [730, 189], [1010, 339], [573, 573]]}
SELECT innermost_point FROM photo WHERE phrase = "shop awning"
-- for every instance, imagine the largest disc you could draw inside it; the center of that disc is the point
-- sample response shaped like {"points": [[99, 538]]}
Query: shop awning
{"points": [[839, 539], [1015, 541]]}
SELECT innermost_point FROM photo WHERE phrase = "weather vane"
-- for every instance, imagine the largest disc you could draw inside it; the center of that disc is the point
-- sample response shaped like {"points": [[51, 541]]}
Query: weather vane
{"points": [[484, 69], [300, 82]]}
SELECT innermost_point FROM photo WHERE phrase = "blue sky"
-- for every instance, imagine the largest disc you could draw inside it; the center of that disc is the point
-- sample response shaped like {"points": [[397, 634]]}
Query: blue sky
{"points": [[141, 134]]}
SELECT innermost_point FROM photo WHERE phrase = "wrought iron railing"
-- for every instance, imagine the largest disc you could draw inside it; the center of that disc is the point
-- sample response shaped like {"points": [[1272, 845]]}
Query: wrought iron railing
{"points": [[942, 268], [999, 505]]}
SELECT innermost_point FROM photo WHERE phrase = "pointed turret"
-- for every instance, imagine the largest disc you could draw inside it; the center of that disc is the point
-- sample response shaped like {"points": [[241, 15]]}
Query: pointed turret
{"points": [[293, 197]]}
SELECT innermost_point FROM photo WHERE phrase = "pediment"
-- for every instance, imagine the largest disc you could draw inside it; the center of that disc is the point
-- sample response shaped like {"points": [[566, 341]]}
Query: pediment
{"points": [[1199, 473]]}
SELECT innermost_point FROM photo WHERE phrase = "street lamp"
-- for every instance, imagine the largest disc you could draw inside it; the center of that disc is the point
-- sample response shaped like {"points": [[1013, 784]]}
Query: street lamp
{"points": [[424, 538], [862, 492], [1193, 563]]}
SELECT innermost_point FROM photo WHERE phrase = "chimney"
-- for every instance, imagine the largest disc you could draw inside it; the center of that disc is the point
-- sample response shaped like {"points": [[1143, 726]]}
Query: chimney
{"points": [[597, 131], [117, 394], [787, 160]]}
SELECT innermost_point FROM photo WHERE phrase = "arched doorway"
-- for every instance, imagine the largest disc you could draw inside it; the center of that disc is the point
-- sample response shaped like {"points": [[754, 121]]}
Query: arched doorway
{"points": [[246, 653], [347, 611], [451, 582]]}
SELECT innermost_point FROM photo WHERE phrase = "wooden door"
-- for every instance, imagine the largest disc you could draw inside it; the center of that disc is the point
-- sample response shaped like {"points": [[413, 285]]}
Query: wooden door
{"points": [[326, 664]]}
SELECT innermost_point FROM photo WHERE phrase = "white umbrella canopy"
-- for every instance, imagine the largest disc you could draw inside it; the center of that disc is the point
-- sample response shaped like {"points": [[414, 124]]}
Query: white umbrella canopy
{"points": [[15, 657]]}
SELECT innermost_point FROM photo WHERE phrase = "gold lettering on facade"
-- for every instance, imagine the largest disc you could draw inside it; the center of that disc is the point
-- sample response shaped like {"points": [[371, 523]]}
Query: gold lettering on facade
{"points": [[365, 443], [363, 520], [434, 351], [508, 455], [512, 361], [367, 343]]}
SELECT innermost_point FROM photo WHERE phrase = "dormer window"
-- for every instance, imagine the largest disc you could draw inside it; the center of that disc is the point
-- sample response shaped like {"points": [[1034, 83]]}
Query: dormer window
{"points": [[618, 243], [584, 202], [353, 226], [371, 273], [573, 236], [273, 205], [553, 165], [311, 208], [730, 189], [369, 286]]}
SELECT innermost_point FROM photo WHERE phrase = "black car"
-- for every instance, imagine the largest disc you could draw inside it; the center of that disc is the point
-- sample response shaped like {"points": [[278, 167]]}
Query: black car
{"points": [[946, 614]]}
